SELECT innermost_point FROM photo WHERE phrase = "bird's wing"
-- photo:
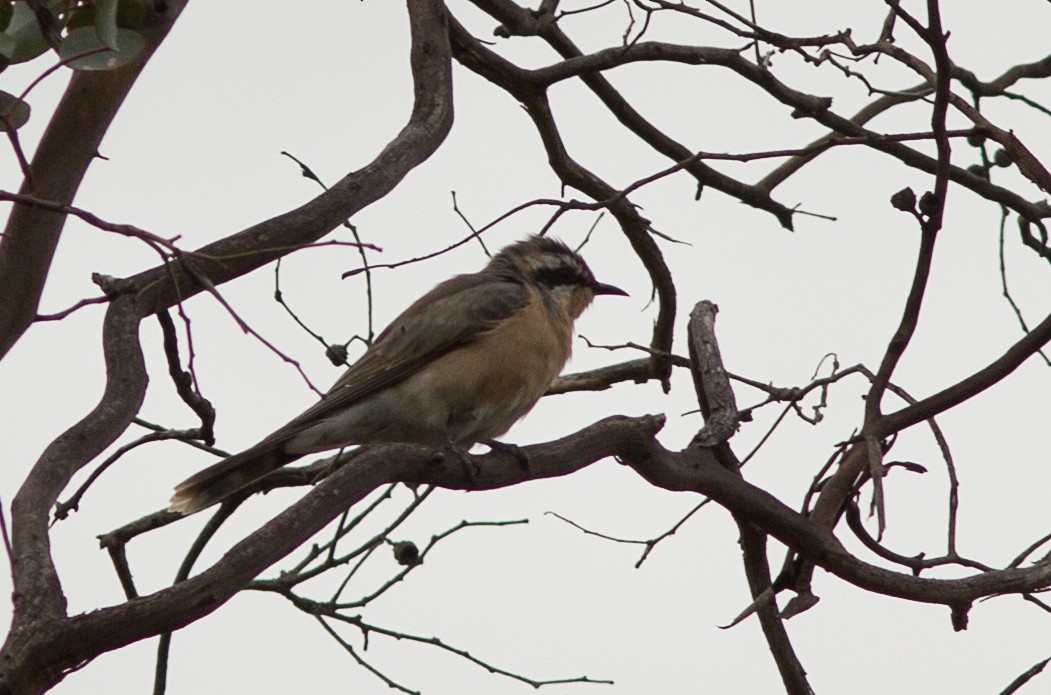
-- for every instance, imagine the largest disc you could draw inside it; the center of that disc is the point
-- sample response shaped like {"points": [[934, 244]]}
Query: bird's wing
{"points": [[452, 314]]}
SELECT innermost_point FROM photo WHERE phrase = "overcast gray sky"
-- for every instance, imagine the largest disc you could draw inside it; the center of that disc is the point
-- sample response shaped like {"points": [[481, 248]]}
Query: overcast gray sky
{"points": [[195, 152]]}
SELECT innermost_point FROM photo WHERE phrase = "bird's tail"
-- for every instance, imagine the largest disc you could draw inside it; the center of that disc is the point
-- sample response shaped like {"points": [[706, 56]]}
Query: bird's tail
{"points": [[219, 481]]}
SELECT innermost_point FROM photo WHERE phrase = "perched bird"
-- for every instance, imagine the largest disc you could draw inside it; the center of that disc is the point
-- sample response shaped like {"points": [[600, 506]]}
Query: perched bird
{"points": [[458, 367]]}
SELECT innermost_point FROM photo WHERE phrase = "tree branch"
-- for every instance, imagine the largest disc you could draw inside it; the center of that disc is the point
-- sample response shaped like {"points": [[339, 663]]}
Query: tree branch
{"points": [[31, 659], [68, 147]]}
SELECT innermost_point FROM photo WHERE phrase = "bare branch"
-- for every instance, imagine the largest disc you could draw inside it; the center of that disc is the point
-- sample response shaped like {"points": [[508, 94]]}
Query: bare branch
{"points": [[32, 663]]}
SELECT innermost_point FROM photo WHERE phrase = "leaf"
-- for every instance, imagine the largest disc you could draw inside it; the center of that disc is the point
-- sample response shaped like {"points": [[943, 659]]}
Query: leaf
{"points": [[80, 16], [106, 22], [88, 52], [25, 39], [7, 8], [7, 45], [17, 111], [131, 14]]}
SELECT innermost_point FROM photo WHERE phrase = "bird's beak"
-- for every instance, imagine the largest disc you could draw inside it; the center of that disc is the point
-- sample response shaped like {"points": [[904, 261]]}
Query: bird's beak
{"points": [[602, 288]]}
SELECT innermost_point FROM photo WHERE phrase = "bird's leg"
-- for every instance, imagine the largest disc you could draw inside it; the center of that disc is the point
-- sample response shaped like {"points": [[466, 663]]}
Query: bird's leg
{"points": [[513, 449], [334, 463]]}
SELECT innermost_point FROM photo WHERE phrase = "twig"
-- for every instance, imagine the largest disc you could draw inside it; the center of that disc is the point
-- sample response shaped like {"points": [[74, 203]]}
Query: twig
{"points": [[62, 509], [7, 542], [205, 283], [1003, 283], [66, 312], [475, 232], [462, 653], [416, 259], [650, 544], [1017, 683], [225, 511], [1029, 551], [94, 220], [300, 572], [309, 173], [361, 662], [186, 384]]}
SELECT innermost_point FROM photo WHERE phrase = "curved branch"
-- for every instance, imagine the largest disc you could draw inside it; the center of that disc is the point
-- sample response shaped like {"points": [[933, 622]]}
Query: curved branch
{"points": [[692, 469], [963, 390], [874, 108], [519, 21], [67, 148], [805, 105], [90, 634], [31, 659], [472, 54], [40, 606], [245, 251], [630, 439], [719, 405]]}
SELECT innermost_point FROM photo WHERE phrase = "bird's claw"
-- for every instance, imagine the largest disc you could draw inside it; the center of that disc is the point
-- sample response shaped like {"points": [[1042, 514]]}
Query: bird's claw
{"points": [[513, 449], [470, 467]]}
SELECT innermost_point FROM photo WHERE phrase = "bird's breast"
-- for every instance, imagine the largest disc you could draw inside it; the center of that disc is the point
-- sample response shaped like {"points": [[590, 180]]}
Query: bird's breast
{"points": [[479, 390]]}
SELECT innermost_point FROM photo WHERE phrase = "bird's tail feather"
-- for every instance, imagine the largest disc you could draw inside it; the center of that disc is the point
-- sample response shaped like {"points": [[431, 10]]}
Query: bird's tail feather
{"points": [[219, 481]]}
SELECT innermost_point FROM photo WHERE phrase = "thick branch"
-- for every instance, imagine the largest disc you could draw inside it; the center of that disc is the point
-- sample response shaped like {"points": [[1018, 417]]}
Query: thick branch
{"points": [[693, 469], [472, 54], [517, 20], [629, 439], [68, 147], [252, 248], [31, 661], [85, 636], [586, 66], [719, 405], [963, 390], [712, 383]]}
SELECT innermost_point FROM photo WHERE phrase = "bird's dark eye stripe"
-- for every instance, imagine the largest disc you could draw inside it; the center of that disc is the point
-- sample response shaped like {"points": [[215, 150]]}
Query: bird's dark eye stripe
{"points": [[562, 275]]}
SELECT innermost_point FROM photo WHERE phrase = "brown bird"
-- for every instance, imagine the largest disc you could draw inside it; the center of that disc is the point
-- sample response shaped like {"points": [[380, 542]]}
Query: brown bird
{"points": [[458, 367]]}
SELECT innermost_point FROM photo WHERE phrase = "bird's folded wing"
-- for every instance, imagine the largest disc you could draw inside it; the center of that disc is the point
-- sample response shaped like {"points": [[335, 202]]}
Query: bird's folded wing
{"points": [[452, 314]]}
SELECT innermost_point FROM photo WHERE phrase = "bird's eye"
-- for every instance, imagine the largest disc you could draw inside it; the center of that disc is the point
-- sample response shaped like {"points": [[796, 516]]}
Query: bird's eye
{"points": [[559, 275]]}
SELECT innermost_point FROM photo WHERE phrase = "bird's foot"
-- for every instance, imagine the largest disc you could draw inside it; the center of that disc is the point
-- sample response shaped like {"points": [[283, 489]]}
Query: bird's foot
{"points": [[470, 467], [513, 449]]}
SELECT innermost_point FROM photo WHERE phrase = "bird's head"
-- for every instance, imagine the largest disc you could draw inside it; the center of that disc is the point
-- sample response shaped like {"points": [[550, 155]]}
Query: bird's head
{"points": [[556, 270]]}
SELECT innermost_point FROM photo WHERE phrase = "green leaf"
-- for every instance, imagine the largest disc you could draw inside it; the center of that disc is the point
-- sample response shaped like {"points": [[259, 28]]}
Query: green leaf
{"points": [[106, 22], [89, 53], [131, 14], [17, 112], [25, 40], [80, 16], [7, 8], [7, 45]]}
